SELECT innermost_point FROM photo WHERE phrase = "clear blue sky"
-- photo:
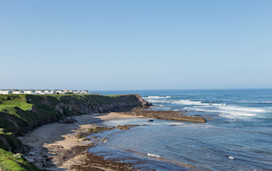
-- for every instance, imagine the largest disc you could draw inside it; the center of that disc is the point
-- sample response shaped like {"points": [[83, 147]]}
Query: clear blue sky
{"points": [[140, 44]]}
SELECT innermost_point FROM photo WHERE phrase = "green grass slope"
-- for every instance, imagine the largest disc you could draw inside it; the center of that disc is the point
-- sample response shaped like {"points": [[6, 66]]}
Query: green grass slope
{"points": [[13, 162]]}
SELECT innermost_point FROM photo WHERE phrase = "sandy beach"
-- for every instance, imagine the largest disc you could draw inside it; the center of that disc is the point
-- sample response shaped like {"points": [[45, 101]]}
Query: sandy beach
{"points": [[56, 146]]}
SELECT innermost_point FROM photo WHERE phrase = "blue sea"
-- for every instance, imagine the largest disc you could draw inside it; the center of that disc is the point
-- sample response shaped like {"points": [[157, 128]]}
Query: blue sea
{"points": [[237, 136]]}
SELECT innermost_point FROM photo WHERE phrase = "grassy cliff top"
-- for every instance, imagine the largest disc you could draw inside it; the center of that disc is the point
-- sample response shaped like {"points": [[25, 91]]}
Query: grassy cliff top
{"points": [[9, 103]]}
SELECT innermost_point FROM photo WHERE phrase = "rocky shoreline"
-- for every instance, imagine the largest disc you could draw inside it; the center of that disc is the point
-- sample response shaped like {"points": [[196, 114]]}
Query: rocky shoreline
{"points": [[59, 145], [165, 115], [22, 113], [68, 149]]}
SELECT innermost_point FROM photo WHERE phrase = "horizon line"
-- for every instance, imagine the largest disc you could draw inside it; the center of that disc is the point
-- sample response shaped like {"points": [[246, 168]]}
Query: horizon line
{"points": [[184, 89]]}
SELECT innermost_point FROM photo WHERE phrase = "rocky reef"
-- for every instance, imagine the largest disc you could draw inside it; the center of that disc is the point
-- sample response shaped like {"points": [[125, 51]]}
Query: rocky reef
{"points": [[166, 115]]}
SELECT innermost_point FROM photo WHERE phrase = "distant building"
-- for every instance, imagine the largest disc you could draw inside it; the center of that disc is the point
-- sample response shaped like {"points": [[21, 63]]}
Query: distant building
{"points": [[39, 91], [29, 91], [47, 91], [5, 91], [84, 92], [59, 92], [75, 91], [17, 91]]}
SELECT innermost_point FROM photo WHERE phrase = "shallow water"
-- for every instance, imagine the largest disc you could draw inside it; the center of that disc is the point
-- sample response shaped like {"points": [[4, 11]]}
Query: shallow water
{"points": [[239, 136]]}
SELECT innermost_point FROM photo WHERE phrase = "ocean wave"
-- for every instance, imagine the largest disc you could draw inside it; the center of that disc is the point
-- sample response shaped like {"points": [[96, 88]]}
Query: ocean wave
{"points": [[253, 101], [158, 97], [157, 101], [200, 109], [196, 103], [187, 102], [244, 109], [268, 102], [153, 155], [231, 112], [237, 115], [228, 111]]}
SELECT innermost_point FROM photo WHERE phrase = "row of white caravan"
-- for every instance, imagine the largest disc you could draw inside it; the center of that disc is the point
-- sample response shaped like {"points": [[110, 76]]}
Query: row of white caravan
{"points": [[43, 91]]}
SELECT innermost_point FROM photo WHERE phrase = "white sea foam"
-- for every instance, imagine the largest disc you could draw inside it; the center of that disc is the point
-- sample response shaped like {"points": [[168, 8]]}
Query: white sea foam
{"points": [[237, 115], [158, 97], [265, 102], [196, 103], [231, 112], [200, 109], [153, 155], [244, 109], [154, 97], [187, 102], [230, 157], [156, 101], [224, 110]]}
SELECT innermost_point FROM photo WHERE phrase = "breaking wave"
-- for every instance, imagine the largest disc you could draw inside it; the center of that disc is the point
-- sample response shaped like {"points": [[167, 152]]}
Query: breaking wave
{"points": [[196, 103], [231, 112], [153, 155], [158, 97]]}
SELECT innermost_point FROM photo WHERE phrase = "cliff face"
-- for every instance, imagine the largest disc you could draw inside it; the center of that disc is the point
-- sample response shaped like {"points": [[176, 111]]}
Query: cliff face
{"points": [[98, 104], [22, 113]]}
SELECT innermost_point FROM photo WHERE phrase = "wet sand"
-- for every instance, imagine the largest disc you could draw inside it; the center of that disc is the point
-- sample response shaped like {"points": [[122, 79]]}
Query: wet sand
{"points": [[57, 146]]}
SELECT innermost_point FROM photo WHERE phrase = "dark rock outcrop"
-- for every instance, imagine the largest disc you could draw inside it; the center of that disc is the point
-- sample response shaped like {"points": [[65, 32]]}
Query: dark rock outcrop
{"points": [[166, 115]]}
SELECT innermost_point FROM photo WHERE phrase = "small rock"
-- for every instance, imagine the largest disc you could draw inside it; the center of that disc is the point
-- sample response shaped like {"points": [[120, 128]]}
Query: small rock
{"points": [[18, 155], [104, 140], [29, 159]]}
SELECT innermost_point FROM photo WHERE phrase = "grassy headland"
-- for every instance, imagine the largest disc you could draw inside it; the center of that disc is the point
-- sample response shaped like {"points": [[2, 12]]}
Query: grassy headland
{"points": [[22, 113]]}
